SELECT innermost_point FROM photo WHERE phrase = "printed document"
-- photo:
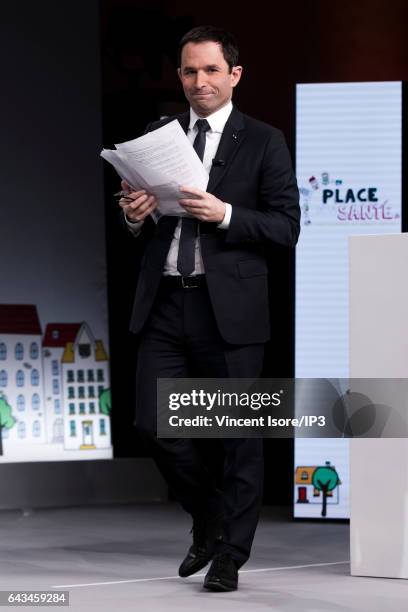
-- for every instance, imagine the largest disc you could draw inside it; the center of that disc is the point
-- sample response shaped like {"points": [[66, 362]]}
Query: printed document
{"points": [[160, 162]]}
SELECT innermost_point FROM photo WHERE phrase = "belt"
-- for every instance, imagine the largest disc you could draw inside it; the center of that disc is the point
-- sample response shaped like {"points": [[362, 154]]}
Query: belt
{"points": [[183, 282]]}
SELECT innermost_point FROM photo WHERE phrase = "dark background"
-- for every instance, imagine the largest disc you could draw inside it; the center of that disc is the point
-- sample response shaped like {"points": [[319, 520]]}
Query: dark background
{"points": [[63, 62], [281, 44]]}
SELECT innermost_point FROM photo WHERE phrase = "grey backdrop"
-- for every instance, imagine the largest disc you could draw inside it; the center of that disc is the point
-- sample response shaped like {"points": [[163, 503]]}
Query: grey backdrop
{"points": [[51, 189], [52, 235]]}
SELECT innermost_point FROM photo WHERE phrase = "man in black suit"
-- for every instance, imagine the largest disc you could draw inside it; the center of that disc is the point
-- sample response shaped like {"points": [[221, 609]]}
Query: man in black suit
{"points": [[201, 303]]}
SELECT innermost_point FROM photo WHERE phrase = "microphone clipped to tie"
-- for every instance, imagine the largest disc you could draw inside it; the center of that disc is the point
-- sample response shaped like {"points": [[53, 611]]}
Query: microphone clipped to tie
{"points": [[218, 162]]}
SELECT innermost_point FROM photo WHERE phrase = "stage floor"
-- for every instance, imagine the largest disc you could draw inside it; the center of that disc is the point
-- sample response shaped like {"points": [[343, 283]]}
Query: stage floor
{"points": [[125, 558]]}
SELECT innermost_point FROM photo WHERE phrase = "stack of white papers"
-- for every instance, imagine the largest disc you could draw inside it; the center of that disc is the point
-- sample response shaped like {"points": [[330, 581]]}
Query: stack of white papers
{"points": [[160, 162]]}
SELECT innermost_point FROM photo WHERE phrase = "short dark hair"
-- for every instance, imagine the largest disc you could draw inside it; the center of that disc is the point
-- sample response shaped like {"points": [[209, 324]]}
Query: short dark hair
{"points": [[212, 34]]}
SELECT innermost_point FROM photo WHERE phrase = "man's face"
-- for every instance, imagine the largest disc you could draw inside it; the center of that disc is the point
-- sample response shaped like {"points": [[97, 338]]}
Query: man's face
{"points": [[206, 78]]}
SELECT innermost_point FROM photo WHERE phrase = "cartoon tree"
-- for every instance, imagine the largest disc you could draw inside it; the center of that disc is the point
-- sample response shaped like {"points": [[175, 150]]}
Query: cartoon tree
{"points": [[6, 418], [325, 479], [105, 402]]}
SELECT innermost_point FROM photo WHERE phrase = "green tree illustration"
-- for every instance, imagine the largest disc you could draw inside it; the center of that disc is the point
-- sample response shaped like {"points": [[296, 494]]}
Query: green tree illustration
{"points": [[6, 418], [105, 402], [325, 479]]}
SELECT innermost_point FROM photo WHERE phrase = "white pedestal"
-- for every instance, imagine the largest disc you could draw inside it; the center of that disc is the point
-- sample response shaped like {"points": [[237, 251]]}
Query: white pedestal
{"points": [[379, 349]]}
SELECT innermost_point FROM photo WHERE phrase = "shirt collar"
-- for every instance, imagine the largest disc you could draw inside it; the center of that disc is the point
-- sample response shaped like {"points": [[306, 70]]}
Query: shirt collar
{"points": [[217, 120]]}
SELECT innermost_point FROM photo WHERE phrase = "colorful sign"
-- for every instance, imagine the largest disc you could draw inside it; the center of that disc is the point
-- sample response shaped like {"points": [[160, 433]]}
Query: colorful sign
{"points": [[348, 162]]}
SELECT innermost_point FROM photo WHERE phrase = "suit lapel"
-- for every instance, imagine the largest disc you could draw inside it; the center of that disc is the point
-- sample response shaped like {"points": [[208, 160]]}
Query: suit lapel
{"points": [[184, 121], [232, 137]]}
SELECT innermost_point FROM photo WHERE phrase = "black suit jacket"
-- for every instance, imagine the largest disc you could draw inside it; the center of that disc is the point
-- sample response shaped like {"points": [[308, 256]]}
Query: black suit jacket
{"points": [[257, 179]]}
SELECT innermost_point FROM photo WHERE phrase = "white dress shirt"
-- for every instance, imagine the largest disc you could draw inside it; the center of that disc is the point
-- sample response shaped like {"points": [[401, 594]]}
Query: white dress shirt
{"points": [[217, 122]]}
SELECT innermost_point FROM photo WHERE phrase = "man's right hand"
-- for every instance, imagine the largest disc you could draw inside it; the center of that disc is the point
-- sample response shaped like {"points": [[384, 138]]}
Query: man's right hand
{"points": [[140, 206]]}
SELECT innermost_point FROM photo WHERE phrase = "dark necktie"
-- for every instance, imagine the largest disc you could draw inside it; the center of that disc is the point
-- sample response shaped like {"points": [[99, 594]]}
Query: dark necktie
{"points": [[188, 233]]}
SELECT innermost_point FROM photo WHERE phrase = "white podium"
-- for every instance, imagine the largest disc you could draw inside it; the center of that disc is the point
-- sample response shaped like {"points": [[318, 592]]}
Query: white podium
{"points": [[379, 349]]}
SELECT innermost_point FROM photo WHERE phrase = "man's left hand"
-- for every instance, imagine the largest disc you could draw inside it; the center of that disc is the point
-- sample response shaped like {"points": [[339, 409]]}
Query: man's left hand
{"points": [[205, 208]]}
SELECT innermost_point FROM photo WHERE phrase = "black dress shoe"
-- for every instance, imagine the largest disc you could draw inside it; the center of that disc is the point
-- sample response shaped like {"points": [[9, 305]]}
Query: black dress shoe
{"points": [[206, 532], [222, 575]]}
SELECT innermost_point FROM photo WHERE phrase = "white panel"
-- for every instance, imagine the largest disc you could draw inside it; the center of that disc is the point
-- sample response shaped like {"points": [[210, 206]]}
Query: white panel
{"points": [[379, 349], [349, 173]]}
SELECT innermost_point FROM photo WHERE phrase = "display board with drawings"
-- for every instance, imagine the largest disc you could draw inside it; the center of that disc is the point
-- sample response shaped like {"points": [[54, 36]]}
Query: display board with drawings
{"points": [[348, 166]]}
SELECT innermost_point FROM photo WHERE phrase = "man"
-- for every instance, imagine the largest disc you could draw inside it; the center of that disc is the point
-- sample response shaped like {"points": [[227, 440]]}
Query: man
{"points": [[201, 302]]}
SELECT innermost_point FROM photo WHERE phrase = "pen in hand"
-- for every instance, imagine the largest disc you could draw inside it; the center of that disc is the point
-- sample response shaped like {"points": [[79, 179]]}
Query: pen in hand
{"points": [[122, 195]]}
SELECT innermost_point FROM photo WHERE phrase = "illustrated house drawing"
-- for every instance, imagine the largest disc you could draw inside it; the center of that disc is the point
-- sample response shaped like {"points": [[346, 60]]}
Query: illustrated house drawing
{"points": [[306, 492], [84, 375], [21, 372], [53, 383], [56, 337]]}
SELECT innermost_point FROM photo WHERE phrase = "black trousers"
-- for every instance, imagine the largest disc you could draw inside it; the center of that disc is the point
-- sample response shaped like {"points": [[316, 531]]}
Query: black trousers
{"points": [[181, 339]]}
